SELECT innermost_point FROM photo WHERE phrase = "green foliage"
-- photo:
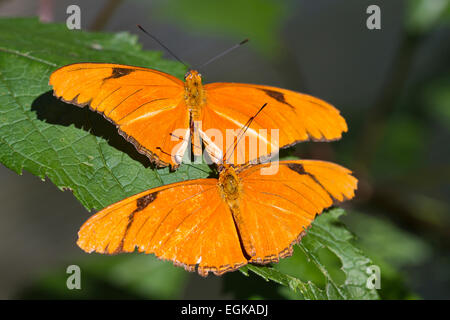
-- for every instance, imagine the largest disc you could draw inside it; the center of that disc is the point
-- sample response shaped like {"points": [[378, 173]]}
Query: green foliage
{"points": [[422, 15], [392, 249], [399, 247], [79, 150], [73, 147], [403, 142], [436, 98], [113, 277], [325, 265], [214, 16]]}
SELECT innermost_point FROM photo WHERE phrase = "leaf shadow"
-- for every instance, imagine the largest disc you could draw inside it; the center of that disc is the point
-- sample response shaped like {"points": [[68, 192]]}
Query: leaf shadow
{"points": [[54, 111]]}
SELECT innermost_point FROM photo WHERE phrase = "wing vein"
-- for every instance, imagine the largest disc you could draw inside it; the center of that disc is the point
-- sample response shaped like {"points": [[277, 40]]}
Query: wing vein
{"points": [[124, 101]]}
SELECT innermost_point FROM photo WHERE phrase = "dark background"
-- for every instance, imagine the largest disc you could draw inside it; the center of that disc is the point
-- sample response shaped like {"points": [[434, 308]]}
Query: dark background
{"points": [[392, 86]]}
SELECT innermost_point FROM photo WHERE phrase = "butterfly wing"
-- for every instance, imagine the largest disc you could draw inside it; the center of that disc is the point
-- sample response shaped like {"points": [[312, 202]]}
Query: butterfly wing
{"points": [[192, 225], [187, 223], [298, 117], [145, 105], [277, 209]]}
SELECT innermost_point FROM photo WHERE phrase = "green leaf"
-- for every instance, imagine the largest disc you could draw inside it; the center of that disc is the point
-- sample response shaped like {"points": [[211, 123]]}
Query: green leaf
{"points": [[327, 232], [400, 250], [75, 148]]}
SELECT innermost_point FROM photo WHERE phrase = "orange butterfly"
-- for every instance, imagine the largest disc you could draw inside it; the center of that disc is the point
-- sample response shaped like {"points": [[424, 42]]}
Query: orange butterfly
{"points": [[147, 106], [219, 225]]}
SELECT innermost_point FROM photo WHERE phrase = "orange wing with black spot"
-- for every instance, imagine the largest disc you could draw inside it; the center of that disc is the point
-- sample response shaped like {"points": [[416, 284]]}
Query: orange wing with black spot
{"points": [[187, 223], [149, 109], [145, 105], [297, 117], [192, 224], [277, 209]]}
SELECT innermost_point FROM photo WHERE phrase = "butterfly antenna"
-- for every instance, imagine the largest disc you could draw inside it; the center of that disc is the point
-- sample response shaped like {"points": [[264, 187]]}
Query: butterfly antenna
{"points": [[162, 45], [243, 131], [224, 53]]}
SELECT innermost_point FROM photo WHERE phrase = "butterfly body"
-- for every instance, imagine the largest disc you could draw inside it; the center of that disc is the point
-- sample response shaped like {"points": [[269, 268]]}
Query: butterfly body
{"points": [[231, 187], [195, 96]]}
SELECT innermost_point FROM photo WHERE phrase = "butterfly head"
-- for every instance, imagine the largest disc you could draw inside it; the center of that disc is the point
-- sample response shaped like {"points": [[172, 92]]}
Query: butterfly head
{"points": [[193, 75]]}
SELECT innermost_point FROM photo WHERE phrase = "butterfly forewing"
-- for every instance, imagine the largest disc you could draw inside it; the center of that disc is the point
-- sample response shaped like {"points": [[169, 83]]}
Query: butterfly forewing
{"points": [[187, 223], [280, 208], [146, 105], [297, 117]]}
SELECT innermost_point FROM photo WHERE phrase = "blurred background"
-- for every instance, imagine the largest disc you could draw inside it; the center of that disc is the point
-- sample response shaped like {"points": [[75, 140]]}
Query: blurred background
{"points": [[392, 86]]}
